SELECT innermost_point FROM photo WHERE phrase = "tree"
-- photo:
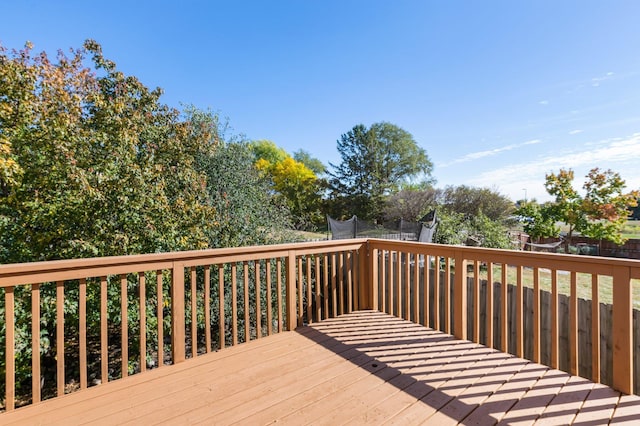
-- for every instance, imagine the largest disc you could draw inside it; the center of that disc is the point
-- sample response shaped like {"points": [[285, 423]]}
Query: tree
{"points": [[293, 183], [312, 163], [538, 220], [600, 213], [267, 150], [374, 163], [472, 201], [410, 203]]}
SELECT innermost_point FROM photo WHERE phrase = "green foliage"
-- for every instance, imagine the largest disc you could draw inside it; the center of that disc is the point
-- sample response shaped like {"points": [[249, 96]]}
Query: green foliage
{"points": [[456, 228], [313, 164], [600, 213], [538, 220], [374, 163], [472, 201], [92, 164], [268, 151], [295, 185]]}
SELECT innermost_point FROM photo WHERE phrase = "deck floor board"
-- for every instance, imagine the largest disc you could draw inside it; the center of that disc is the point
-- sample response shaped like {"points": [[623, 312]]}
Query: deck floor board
{"points": [[361, 368]]}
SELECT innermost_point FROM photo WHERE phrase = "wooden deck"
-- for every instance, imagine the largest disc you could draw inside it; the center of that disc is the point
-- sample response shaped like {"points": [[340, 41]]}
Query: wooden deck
{"points": [[361, 368]]}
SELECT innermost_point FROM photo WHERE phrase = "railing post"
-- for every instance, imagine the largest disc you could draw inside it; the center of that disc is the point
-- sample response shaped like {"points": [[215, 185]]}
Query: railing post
{"points": [[622, 331], [460, 297], [292, 315], [372, 277], [177, 313]]}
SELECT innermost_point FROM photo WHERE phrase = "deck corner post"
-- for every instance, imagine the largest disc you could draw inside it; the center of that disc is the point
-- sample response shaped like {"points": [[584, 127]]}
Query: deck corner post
{"points": [[460, 296], [177, 313], [292, 315], [622, 330]]}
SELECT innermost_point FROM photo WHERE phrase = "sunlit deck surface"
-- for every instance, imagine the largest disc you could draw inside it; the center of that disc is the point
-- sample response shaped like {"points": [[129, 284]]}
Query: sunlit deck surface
{"points": [[361, 368]]}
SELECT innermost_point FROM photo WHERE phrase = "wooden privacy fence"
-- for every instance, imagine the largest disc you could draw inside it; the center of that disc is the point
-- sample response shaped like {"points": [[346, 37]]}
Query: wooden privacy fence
{"points": [[76, 323], [405, 285]]}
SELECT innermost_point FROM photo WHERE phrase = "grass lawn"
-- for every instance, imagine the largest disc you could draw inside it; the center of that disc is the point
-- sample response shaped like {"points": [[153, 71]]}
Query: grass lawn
{"points": [[631, 229]]}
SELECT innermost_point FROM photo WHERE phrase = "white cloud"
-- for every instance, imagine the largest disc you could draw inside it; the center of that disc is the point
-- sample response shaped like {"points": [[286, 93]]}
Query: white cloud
{"points": [[595, 82], [575, 132], [544, 102], [488, 153], [620, 155]]}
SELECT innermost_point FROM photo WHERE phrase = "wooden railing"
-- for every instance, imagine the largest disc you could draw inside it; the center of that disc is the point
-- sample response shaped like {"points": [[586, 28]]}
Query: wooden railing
{"points": [[73, 324], [440, 287]]}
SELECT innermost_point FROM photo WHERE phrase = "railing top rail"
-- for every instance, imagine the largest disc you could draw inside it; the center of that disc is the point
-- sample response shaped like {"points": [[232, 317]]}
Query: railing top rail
{"points": [[511, 257], [35, 272]]}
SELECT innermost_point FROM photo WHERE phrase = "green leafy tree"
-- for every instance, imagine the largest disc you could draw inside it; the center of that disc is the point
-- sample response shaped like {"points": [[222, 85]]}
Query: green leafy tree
{"points": [[312, 163], [375, 162], [267, 150], [538, 220], [600, 212], [296, 186], [472, 201]]}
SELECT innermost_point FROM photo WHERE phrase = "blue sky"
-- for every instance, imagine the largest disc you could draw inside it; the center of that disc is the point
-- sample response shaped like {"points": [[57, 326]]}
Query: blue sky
{"points": [[497, 92]]}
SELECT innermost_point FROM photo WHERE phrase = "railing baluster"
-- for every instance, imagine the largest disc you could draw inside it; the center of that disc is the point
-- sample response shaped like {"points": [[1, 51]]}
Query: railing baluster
{"points": [[447, 294], [318, 282], [10, 348], [325, 286], [104, 332], [193, 296], [142, 282], [425, 296], [221, 308], [300, 290], [309, 290], [247, 304], [490, 311], [341, 281], [334, 285], [124, 326], [416, 288], [234, 304], [383, 280], [258, 288], [35, 343], [407, 287], [476, 301], [207, 308], [595, 329], [279, 295], [555, 332], [519, 314], [504, 308], [398, 290], [177, 313], [349, 271], [82, 313], [573, 325], [536, 315], [269, 299], [436, 293], [60, 379], [391, 282], [160, 315]]}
